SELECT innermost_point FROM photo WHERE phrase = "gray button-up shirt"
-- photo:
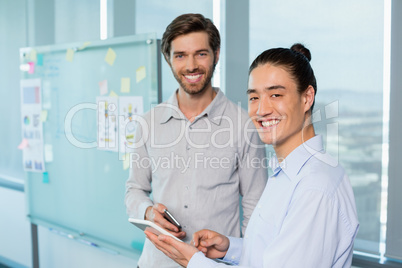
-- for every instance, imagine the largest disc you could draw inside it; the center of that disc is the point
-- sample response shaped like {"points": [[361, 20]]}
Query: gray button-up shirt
{"points": [[196, 169]]}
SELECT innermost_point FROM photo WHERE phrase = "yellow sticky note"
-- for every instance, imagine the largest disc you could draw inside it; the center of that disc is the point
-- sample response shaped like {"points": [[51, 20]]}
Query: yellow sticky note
{"points": [[84, 45], [126, 161], [70, 55], [43, 116], [113, 94], [141, 73], [110, 56], [32, 55], [125, 84]]}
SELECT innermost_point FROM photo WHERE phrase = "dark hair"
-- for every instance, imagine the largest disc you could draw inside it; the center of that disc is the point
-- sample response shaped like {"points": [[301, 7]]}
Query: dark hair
{"points": [[295, 60], [189, 23]]}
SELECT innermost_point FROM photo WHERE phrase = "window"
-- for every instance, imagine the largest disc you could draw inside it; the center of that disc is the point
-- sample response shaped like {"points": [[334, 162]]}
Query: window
{"points": [[346, 39]]}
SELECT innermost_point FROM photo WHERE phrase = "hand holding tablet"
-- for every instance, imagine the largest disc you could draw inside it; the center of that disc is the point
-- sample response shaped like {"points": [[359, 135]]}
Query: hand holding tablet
{"points": [[150, 226]]}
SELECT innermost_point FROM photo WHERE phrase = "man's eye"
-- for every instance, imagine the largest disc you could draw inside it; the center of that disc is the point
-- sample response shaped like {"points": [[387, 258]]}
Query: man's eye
{"points": [[179, 56], [275, 95], [253, 98]]}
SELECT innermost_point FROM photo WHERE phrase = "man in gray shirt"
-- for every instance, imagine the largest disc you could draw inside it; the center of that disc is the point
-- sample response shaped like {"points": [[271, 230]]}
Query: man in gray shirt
{"points": [[197, 152]]}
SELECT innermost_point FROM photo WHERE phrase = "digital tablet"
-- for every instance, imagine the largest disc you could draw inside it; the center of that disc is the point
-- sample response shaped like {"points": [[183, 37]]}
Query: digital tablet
{"points": [[150, 226]]}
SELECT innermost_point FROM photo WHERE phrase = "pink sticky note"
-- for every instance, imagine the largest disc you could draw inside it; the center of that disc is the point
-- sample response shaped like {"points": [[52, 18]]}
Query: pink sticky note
{"points": [[31, 67], [103, 87], [23, 144]]}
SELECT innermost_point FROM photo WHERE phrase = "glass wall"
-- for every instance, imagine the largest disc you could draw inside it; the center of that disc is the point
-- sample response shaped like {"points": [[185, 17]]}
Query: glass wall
{"points": [[346, 42]]}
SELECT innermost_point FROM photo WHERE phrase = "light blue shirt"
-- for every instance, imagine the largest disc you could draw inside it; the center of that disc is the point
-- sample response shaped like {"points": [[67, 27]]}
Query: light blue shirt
{"points": [[306, 216]]}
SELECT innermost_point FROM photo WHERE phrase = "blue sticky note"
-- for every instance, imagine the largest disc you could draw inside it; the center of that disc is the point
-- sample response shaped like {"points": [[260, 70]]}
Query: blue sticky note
{"points": [[137, 245], [45, 177], [39, 59]]}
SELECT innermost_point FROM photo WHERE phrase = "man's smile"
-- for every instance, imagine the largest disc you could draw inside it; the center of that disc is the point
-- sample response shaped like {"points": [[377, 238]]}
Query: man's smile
{"points": [[268, 123], [193, 78]]}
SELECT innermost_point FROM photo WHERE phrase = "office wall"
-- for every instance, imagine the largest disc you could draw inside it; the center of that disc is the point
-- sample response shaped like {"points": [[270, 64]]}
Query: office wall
{"points": [[394, 220], [13, 35], [15, 238], [76, 20]]}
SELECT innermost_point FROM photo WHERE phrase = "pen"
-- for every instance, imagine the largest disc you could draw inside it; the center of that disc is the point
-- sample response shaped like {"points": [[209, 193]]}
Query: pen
{"points": [[87, 242]]}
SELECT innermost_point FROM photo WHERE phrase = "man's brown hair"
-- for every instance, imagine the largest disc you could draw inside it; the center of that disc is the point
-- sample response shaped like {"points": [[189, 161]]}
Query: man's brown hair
{"points": [[189, 23]]}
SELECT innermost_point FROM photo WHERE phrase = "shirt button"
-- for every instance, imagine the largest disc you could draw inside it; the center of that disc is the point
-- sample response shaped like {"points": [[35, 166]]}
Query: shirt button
{"points": [[188, 147], [246, 237], [185, 206], [233, 257], [259, 206]]}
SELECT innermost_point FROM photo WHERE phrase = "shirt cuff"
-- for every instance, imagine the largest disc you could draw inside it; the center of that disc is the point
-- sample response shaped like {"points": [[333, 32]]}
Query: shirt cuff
{"points": [[234, 251], [142, 208], [200, 261]]}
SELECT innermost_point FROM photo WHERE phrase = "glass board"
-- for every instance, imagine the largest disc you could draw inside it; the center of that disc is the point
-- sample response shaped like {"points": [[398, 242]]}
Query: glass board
{"points": [[81, 193]]}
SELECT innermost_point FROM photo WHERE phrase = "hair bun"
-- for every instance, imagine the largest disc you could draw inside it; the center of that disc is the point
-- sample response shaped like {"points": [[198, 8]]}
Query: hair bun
{"points": [[302, 50]]}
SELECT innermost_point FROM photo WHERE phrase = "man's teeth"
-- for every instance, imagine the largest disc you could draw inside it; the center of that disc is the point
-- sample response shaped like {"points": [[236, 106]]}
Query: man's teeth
{"points": [[269, 123], [193, 77]]}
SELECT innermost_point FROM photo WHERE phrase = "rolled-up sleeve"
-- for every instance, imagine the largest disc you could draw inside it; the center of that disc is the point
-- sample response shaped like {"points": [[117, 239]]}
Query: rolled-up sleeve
{"points": [[138, 185]]}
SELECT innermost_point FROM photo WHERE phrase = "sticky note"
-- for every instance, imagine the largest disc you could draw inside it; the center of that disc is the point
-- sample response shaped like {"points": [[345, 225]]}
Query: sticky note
{"points": [[48, 151], [84, 45], [43, 115], [110, 56], [32, 55], [141, 73], [103, 87], [24, 144], [113, 94], [31, 67], [45, 178], [126, 162], [39, 60], [24, 67], [70, 55], [125, 84]]}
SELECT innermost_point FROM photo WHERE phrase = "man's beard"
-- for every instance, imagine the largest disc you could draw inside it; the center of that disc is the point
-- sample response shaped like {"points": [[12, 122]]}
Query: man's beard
{"points": [[199, 89]]}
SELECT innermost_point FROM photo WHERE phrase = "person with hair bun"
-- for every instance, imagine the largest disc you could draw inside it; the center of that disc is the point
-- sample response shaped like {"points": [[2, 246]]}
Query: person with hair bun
{"points": [[306, 216], [194, 154]]}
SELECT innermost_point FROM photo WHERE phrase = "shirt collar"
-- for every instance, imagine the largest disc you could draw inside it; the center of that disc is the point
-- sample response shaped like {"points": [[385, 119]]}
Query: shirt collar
{"points": [[294, 162], [171, 109], [214, 110], [274, 165]]}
